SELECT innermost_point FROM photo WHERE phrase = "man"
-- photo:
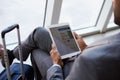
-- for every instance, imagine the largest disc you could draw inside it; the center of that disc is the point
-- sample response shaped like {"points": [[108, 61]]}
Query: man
{"points": [[39, 44], [100, 61]]}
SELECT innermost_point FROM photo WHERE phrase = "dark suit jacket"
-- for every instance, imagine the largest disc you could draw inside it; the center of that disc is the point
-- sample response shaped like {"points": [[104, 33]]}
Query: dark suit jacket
{"points": [[99, 61]]}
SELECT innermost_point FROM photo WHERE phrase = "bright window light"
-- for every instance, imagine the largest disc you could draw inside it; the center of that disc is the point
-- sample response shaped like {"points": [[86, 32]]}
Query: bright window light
{"points": [[28, 14], [112, 18], [111, 22], [80, 13]]}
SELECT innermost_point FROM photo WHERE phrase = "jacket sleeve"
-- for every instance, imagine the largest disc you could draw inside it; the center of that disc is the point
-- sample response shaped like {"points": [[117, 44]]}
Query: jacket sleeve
{"points": [[84, 67], [55, 73]]}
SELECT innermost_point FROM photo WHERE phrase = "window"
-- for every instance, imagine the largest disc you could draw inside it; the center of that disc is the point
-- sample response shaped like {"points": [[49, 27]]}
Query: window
{"points": [[27, 13], [70, 11], [111, 24], [81, 13], [112, 18]]}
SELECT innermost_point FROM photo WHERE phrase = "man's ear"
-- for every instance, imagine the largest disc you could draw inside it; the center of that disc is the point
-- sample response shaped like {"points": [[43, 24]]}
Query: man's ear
{"points": [[117, 20], [116, 6]]}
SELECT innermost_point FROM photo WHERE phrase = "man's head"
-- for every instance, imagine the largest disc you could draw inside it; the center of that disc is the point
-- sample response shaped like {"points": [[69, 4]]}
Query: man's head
{"points": [[116, 6]]}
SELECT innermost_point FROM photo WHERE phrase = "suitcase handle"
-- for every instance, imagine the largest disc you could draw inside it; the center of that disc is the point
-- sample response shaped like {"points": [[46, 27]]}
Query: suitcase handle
{"points": [[10, 28]]}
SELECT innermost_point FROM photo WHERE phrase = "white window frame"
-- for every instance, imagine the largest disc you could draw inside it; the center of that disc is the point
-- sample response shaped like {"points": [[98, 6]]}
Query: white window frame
{"points": [[105, 16], [54, 9], [53, 12]]}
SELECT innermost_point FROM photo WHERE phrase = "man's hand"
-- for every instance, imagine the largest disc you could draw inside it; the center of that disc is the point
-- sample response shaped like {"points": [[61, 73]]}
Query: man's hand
{"points": [[80, 41], [1, 50], [2, 56], [56, 56]]}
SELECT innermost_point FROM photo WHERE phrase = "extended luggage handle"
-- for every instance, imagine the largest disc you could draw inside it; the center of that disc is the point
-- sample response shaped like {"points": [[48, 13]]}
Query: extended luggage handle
{"points": [[10, 28]]}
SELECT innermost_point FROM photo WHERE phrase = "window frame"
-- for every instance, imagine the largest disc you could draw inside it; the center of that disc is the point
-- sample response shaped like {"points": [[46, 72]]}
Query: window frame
{"points": [[53, 15]]}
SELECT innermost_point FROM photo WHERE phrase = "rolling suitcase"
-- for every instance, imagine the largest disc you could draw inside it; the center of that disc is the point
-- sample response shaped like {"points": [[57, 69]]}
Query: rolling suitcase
{"points": [[21, 65]]}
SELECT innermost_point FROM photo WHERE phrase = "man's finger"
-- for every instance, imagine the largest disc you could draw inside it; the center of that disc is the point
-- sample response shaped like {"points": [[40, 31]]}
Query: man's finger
{"points": [[53, 47], [76, 36], [1, 49]]}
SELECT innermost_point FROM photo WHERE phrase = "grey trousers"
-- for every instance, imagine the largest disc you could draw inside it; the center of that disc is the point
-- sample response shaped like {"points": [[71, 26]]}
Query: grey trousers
{"points": [[38, 44]]}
